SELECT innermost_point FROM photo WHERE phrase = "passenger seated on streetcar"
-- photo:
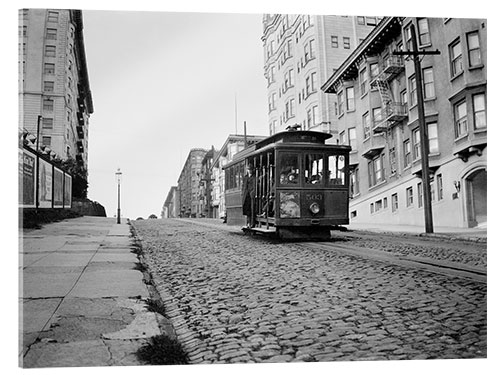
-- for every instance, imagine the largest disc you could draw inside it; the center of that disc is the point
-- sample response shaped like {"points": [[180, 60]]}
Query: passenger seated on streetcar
{"points": [[289, 175]]}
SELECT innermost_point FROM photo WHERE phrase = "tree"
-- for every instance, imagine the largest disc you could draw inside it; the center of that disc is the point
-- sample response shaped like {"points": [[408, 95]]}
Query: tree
{"points": [[152, 216], [79, 173]]}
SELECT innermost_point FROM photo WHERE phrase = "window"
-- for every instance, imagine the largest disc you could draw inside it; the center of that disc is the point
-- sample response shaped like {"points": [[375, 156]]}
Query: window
{"points": [[289, 169], [385, 202], [428, 78], [439, 181], [342, 139], [309, 51], [460, 119], [351, 133], [362, 81], [46, 141], [313, 172], [361, 20], [409, 196], [394, 202], [48, 105], [392, 160], [289, 79], [374, 70], [50, 51], [335, 41], [354, 182], [311, 83], [49, 68], [350, 98], [377, 116], [423, 32], [347, 42], [272, 102], [407, 153], [366, 125], [378, 205], [407, 33], [290, 109], [271, 76], [48, 86], [479, 108], [336, 170], [312, 116], [376, 173], [51, 34], [419, 194], [416, 144], [403, 97], [433, 137], [456, 58], [340, 100], [412, 83], [473, 49], [47, 123], [53, 16]]}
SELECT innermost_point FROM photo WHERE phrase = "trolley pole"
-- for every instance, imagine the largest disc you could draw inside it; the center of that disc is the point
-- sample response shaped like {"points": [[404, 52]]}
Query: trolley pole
{"points": [[424, 136]]}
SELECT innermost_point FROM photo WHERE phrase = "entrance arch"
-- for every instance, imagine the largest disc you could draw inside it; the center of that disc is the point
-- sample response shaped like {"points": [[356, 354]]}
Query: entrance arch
{"points": [[476, 197]]}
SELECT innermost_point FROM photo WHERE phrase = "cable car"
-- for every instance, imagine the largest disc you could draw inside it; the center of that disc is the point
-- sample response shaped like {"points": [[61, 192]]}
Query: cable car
{"points": [[291, 184]]}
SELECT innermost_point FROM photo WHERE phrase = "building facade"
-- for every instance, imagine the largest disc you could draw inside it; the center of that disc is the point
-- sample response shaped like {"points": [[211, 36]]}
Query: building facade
{"points": [[189, 182], [378, 116], [54, 91], [171, 205], [300, 53], [206, 184], [232, 145]]}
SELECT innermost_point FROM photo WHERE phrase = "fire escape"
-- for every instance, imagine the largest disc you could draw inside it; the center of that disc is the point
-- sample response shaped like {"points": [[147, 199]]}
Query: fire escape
{"points": [[392, 112]]}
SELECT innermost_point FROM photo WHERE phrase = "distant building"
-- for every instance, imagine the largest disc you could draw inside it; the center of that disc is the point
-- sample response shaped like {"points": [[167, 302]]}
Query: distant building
{"points": [[54, 90], [232, 145], [206, 184], [377, 115], [300, 53], [171, 205], [189, 183]]}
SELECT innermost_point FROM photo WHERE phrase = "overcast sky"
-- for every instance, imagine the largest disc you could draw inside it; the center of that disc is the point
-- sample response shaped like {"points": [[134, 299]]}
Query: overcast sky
{"points": [[163, 83]]}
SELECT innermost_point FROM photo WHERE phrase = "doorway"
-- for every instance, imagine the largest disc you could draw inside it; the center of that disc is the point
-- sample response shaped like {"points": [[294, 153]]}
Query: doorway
{"points": [[476, 193]]}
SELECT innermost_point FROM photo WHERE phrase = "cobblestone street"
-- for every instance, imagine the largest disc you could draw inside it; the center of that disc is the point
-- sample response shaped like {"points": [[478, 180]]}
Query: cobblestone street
{"points": [[239, 299]]}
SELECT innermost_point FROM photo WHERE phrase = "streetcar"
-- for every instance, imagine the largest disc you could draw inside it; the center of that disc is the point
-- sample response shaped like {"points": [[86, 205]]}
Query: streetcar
{"points": [[292, 185]]}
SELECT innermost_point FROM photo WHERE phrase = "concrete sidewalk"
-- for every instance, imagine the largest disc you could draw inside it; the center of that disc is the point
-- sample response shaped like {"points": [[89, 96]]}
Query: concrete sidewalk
{"points": [[82, 302], [479, 234]]}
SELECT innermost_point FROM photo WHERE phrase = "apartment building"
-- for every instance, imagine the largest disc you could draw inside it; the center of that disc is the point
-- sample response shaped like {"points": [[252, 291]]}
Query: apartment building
{"points": [[377, 115], [189, 183], [233, 144], [171, 205], [54, 91], [300, 53]]}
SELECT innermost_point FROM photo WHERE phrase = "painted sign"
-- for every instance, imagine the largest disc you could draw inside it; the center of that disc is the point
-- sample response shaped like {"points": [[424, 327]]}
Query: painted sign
{"points": [[45, 184], [58, 188], [67, 190], [27, 180]]}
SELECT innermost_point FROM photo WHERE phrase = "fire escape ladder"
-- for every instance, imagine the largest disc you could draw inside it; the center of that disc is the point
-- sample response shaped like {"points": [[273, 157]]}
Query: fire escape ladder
{"points": [[386, 96]]}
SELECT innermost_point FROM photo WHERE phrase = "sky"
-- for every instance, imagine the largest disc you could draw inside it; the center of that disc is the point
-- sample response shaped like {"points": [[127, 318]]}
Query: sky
{"points": [[163, 83]]}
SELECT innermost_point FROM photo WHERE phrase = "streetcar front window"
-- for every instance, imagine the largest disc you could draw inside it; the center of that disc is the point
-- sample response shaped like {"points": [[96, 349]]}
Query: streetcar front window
{"points": [[289, 169], [313, 172], [336, 170]]}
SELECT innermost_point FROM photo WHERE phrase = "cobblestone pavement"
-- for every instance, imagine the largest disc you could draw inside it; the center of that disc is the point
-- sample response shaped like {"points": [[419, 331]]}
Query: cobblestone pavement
{"points": [[238, 299]]}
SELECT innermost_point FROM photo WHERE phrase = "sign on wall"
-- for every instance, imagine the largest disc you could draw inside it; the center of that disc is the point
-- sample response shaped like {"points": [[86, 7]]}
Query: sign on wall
{"points": [[58, 188], [27, 178], [67, 190], [45, 184]]}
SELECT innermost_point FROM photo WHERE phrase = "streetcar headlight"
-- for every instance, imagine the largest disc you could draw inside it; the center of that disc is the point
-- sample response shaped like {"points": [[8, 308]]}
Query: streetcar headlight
{"points": [[314, 208]]}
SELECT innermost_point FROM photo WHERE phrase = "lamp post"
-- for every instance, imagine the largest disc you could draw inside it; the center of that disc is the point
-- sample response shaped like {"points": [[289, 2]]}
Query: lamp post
{"points": [[118, 180]]}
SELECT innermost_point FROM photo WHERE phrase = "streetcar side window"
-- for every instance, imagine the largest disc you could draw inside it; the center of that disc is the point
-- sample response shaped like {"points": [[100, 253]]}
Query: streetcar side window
{"points": [[289, 169], [336, 170], [313, 171]]}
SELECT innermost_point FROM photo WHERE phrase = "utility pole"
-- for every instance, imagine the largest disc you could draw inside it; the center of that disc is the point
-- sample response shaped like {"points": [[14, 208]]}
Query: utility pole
{"points": [[424, 136]]}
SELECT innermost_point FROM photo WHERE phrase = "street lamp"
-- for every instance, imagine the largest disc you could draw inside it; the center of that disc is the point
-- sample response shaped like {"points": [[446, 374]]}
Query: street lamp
{"points": [[118, 175]]}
